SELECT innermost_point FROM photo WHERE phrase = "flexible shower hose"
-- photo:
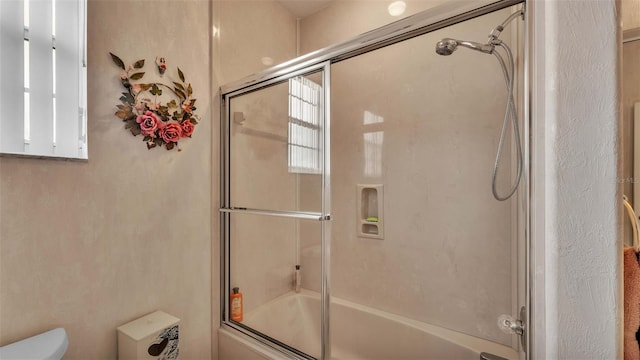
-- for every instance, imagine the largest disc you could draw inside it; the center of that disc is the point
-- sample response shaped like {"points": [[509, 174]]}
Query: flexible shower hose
{"points": [[510, 114]]}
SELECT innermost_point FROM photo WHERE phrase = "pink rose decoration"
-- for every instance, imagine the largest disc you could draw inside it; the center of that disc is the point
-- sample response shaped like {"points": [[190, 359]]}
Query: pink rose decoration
{"points": [[149, 123], [171, 132], [187, 128], [160, 125]]}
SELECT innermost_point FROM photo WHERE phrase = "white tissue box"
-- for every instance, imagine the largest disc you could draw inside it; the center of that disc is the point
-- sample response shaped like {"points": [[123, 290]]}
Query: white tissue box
{"points": [[154, 336]]}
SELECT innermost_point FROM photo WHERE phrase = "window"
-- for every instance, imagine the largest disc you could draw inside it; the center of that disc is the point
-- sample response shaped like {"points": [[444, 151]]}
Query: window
{"points": [[304, 126], [42, 42]]}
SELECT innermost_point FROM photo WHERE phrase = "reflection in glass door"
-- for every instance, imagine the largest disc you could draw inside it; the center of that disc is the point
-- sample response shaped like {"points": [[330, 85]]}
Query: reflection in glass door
{"points": [[276, 191]]}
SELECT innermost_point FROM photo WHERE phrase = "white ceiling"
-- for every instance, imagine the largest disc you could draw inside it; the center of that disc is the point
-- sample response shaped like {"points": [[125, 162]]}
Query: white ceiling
{"points": [[303, 8]]}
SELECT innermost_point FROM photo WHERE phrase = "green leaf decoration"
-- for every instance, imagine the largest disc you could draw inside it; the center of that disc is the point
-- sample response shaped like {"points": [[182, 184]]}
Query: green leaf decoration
{"points": [[180, 75], [137, 76], [181, 94], [127, 98], [189, 90], [133, 126], [163, 111], [193, 121], [155, 90], [193, 102], [150, 145], [172, 104], [178, 85], [170, 145], [147, 138], [117, 60], [125, 113], [138, 64], [144, 87]]}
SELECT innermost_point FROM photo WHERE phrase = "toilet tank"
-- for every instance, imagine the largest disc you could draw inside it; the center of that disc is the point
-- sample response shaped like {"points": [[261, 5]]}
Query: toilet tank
{"points": [[50, 345]]}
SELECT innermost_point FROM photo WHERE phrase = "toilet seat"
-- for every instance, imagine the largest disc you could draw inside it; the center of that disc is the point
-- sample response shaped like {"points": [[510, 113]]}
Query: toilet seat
{"points": [[50, 345]]}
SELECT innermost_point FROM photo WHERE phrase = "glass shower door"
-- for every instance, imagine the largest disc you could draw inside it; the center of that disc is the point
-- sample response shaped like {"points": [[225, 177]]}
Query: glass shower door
{"points": [[275, 211], [424, 259], [428, 244]]}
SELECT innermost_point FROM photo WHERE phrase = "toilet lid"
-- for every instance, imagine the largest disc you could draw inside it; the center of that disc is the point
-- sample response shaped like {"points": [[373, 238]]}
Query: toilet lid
{"points": [[50, 345]]}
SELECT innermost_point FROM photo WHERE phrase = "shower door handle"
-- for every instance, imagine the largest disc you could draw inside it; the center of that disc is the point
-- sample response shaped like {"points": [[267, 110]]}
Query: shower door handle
{"points": [[487, 356]]}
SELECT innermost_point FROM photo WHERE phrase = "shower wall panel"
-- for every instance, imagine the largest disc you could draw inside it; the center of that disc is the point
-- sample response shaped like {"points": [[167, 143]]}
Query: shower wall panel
{"points": [[250, 36], [344, 19], [427, 127]]}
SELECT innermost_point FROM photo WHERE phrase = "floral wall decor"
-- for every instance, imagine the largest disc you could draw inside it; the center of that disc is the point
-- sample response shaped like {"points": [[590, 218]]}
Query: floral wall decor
{"points": [[161, 111]]}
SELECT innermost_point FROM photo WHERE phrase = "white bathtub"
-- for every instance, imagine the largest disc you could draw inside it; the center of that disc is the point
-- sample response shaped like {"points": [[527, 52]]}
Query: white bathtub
{"points": [[358, 332]]}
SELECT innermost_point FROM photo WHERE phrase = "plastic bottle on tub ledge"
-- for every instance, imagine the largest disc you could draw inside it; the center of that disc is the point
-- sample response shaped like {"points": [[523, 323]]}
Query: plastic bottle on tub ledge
{"points": [[236, 305], [297, 279]]}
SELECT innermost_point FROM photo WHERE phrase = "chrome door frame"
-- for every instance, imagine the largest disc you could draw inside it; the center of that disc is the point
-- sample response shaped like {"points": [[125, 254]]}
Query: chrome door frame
{"points": [[226, 210]]}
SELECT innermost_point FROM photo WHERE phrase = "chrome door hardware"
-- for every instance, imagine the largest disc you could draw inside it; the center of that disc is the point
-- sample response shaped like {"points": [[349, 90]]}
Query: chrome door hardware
{"points": [[487, 356], [512, 326], [509, 325]]}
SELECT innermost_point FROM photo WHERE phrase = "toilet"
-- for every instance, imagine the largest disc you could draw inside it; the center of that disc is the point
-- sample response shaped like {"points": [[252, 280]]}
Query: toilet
{"points": [[50, 345]]}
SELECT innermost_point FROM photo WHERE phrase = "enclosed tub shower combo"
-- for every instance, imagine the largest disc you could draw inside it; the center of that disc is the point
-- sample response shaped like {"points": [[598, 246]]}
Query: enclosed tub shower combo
{"points": [[374, 194]]}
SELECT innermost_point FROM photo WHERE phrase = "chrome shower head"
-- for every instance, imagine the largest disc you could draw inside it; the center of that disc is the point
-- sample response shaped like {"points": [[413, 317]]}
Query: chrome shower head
{"points": [[447, 46]]}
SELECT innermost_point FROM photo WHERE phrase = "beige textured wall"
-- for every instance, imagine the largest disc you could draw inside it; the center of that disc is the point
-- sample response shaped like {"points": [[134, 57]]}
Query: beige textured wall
{"points": [[250, 30], [92, 245]]}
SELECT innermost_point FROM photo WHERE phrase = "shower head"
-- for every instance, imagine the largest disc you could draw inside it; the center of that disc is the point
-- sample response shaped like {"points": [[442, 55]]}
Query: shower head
{"points": [[447, 46]]}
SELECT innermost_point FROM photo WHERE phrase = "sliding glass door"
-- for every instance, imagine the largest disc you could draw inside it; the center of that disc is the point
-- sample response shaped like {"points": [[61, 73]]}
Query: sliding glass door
{"points": [[275, 210]]}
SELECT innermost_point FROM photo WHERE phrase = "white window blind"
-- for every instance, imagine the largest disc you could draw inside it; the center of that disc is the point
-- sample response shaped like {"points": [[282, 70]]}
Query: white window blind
{"points": [[304, 126], [43, 78]]}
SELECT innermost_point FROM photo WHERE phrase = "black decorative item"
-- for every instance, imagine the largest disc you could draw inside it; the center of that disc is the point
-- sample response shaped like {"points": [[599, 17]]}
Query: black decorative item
{"points": [[157, 348]]}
